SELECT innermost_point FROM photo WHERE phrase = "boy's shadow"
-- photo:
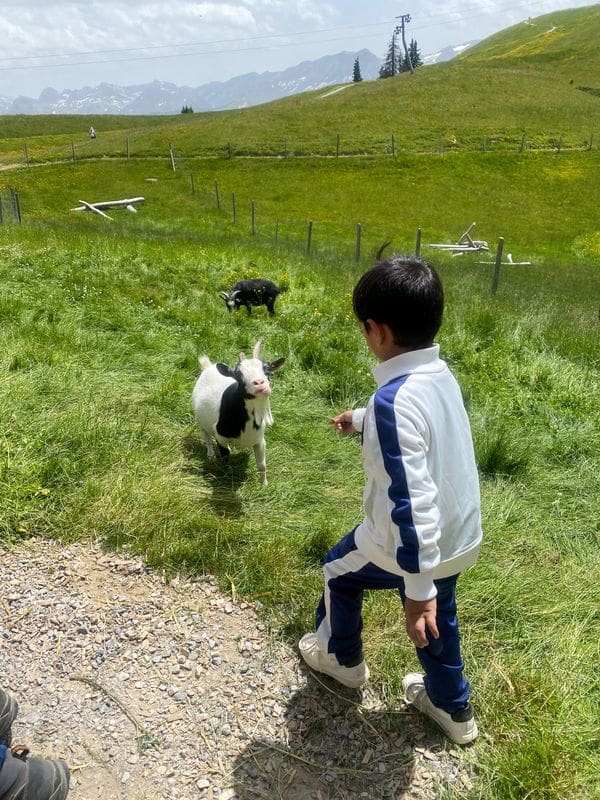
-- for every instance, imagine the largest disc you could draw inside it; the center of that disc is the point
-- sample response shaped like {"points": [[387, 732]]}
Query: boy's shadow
{"points": [[224, 477], [330, 747]]}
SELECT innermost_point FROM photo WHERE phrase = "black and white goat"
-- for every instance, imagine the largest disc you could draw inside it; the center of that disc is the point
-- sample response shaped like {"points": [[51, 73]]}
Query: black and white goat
{"points": [[233, 405], [254, 292]]}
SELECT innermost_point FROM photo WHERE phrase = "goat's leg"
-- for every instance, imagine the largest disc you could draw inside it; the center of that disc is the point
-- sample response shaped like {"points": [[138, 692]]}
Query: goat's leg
{"points": [[223, 452], [259, 454], [210, 451]]}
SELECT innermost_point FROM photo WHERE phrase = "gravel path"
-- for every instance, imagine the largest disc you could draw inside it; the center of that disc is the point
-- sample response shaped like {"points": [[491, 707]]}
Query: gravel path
{"points": [[155, 690]]}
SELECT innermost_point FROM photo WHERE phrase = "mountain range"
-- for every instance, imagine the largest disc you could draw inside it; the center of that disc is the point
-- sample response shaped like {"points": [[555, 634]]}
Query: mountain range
{"points": [[251, 89]]}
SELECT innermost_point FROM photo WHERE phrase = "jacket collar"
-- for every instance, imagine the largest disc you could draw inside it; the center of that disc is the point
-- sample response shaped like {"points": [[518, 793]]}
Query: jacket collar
{"points": [[425, 360]]}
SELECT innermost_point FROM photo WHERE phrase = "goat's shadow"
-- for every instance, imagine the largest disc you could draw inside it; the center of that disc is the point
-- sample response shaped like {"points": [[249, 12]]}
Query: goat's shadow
{"points": [[223, 476]]}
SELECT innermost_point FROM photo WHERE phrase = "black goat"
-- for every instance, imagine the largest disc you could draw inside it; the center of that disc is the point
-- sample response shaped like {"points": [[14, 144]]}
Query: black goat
{"points": [[254, 292]]}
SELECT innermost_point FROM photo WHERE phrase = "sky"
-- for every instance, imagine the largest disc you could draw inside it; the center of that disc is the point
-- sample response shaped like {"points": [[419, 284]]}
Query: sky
{"points": [[70, 44]]}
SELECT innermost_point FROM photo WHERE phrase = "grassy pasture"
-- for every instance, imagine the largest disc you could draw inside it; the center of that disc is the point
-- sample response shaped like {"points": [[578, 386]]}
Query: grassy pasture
{"points": [[534, 200], [101, 324], [437, 108]]}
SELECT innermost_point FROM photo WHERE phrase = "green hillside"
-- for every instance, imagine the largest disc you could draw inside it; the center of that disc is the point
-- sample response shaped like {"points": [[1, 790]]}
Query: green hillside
{"points": [[563, 42], [517, 81]]}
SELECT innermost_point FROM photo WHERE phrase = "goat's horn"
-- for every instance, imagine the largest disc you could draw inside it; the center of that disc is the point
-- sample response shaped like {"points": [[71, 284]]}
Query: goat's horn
{"points": [[381, 249], [256, 349], [224, 295]]}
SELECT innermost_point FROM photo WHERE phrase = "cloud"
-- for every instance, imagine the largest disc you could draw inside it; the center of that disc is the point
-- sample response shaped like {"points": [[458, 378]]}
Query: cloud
{"points": [[71, 27]]}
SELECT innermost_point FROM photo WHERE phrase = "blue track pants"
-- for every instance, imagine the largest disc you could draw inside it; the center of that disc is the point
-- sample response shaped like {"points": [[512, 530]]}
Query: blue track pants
{"points": [[339, 621]]}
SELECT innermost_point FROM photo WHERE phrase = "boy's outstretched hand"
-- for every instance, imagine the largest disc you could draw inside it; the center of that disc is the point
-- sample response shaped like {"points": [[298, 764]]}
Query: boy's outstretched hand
{"points": [[343, 422], [420, 617]]}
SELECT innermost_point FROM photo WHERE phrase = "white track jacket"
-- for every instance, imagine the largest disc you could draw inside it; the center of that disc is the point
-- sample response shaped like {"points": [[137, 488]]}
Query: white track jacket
{"points": [[421, 499]]}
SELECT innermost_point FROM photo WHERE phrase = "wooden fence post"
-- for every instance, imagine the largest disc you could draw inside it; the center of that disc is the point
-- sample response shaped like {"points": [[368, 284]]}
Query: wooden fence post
{"points": [[559, 145], [14, 203], [496, 277], [17, 208], [418, 243], [358, 238], [127, 147], [393, 145], [285, 150], [253, 217], [193, 187], [337, 145], [309, 239], [276, 231], [73, 150], [217, 198], [591, 141], [26, 155], [233, 209], [483, 146], [172, 158]]}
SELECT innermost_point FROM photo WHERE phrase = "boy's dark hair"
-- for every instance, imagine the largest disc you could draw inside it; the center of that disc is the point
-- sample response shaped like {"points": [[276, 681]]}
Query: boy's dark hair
{"points": [[406, 293]]}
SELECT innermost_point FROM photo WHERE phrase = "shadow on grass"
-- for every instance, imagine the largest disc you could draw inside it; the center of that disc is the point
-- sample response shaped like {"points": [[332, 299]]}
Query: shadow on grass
{"points": [[224, 477], [328, 747]]}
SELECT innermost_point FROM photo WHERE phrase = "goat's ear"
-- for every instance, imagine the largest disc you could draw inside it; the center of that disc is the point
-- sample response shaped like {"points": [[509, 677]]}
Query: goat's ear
{"points": [[242, 357], [256, 349], [273, 366], [225, 370], [224, 295]]}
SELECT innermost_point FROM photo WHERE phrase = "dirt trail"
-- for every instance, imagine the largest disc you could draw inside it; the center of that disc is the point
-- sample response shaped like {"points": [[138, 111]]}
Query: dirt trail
{"points": [[155, 690]]}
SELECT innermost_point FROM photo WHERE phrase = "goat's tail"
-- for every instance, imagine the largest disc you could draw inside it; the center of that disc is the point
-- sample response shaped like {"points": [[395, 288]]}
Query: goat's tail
{"points": [[204, 362]]}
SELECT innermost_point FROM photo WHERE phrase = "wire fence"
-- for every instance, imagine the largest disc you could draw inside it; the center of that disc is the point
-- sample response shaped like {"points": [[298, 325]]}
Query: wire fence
{"points": [[152, 144]]}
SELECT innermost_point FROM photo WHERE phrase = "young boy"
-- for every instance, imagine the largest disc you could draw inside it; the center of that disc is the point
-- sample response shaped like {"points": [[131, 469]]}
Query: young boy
{"points": [[422, 522]]}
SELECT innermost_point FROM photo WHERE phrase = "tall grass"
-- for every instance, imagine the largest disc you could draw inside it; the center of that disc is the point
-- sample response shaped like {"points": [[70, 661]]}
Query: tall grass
{"points": [[100, 338]]}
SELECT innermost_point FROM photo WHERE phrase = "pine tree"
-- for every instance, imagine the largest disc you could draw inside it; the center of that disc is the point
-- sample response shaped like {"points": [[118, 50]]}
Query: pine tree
{"points": [[187, 110], [356, 76], [391, 62], [415, 57]]}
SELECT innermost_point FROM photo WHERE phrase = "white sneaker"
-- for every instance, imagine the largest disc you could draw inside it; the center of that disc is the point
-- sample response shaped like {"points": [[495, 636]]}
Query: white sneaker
{"points": [[460, 727], [329, 665]]}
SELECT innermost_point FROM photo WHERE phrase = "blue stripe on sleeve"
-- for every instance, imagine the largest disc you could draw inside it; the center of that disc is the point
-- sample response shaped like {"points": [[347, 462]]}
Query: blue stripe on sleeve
{"points": [[407, 553]]}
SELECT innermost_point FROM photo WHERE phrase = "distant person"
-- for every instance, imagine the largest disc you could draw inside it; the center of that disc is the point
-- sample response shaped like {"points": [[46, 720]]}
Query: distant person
{"points": [[92, 133], [422, 522], [21, 777]]}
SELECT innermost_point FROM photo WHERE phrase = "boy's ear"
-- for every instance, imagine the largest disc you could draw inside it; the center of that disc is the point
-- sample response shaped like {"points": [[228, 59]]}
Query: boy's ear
{"points": [[377, 329]]}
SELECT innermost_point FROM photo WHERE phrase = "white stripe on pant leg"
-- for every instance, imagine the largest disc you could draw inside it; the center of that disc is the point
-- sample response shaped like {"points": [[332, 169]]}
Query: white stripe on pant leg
{"points": [[351, 562]]}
